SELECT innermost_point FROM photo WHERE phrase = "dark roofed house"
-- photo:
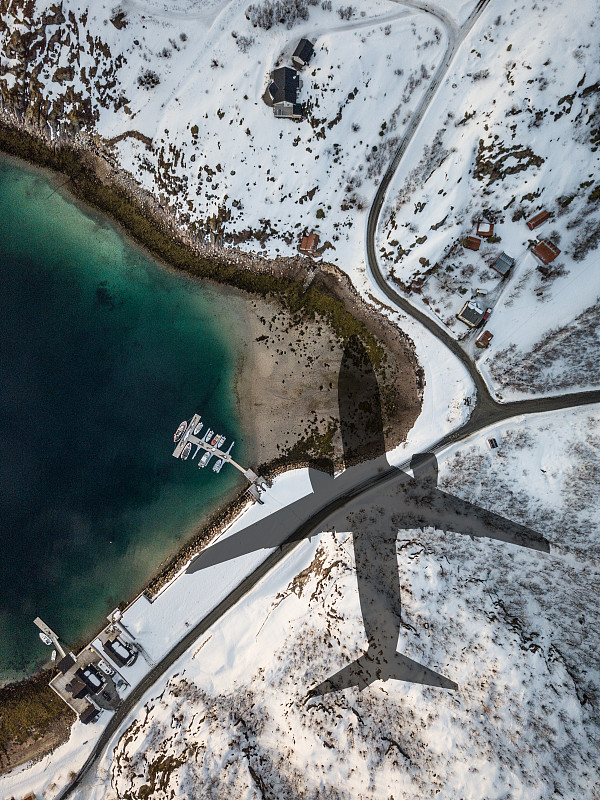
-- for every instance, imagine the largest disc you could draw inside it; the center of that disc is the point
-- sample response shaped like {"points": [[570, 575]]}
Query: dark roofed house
{"points": [[503, 265], [77, 687], [538, 219], [89, 714], [546, 251], [485, 228], [122, 656], [472, 242], [303, 53], [282, 93], [470, 314], [309, 244], [65, 664]]}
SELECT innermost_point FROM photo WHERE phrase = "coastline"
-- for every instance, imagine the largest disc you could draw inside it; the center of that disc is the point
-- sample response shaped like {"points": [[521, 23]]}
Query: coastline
{"points": [[289, 418]]}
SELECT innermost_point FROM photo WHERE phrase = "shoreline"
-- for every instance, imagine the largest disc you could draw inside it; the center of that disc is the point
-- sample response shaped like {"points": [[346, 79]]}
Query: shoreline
{"points": [[279, 321]]}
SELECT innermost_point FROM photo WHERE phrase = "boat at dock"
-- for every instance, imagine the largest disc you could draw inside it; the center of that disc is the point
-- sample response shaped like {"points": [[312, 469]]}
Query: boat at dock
{"points": [[179, 432], [45, 639], [198, 428], [186, 451], [218, 464], [204, 460], [209, 433], [215, 439], [221, 442]]}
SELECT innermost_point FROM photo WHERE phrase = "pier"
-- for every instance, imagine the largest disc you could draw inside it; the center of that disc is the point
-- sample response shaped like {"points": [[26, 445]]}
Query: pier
{"points": [[257, 484]]}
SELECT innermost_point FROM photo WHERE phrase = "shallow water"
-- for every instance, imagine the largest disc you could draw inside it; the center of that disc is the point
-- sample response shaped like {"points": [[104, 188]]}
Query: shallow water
{"points": [[102, 354]]}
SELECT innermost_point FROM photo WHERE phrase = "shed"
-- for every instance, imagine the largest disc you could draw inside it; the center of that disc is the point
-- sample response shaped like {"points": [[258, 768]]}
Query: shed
{"points": [[472, 242], [546, 251], [538, 219], [89, 714], [484, 339], [65, 664], [303, 53], [503, 265], [485, 228], [309, 243], [470, 314]]}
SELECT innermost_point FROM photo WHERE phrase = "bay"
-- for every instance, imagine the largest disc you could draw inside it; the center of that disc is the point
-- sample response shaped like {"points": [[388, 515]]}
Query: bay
{"points": [[102, 353]]}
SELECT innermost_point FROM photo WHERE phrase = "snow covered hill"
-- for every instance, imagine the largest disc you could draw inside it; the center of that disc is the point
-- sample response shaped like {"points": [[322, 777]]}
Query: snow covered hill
{"points": [[516, 629], [513, 131], [177, 89]]}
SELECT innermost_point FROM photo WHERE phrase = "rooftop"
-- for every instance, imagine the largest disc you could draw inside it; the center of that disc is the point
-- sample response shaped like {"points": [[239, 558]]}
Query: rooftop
{"points": [[546, 251], [504, 263]]}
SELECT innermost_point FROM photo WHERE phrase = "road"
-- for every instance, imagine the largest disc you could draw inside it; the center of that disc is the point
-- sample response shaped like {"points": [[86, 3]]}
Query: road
{"points": [[487, 410]]}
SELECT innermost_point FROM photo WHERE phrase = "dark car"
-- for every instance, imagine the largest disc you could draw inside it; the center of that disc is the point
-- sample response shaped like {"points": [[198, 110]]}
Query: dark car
{"points": [[493, 443], [106, 696]]}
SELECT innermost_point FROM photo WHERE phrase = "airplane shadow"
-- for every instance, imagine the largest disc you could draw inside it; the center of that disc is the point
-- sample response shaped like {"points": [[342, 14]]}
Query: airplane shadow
{"points": [[416, 502]]}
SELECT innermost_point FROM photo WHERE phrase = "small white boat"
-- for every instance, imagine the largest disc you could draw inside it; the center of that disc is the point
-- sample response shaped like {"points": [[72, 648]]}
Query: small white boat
{"points": [[208, 434], [218, 465], [179, 431], [205, 459], [45, 639], [53, 655], [186, 451], [221, 442], [198, 428]]}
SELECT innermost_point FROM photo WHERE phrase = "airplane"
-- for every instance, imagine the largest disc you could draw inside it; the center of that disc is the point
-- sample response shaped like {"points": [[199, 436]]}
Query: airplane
{"points": [[416, 501]]}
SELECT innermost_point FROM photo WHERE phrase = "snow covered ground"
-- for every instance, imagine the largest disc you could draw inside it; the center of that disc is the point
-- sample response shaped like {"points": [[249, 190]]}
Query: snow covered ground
{"points": [[512, 131], [518, 631]]}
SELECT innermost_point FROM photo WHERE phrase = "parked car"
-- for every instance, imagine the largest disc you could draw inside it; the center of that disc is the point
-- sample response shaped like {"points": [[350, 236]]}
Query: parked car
{"points": [[106, 696], [493, 443], [105, 668], [486, 316]]}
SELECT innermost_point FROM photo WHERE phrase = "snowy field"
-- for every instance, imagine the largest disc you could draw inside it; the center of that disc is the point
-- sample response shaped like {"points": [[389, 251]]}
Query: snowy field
{"points": [[517, 630], [513, 130]]}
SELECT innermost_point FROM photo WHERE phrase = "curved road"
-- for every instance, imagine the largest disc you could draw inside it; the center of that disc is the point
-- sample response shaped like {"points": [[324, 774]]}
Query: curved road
{"points": [[487, 410]]}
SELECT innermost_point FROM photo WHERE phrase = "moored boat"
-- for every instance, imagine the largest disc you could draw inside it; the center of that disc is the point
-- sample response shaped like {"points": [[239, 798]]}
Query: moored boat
{"points": [[205, 459], [186, 451], [198, 428], [215, 439], [218, 465], [221, 442], [45, 639], [179, 431]]}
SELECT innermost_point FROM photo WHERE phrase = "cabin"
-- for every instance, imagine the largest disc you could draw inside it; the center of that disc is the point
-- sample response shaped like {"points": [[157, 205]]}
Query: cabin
{"points": [[282, 93], [89, 714], [538, 220], [503, 264], [472, 242], [470, 314], [77, 688], [484, 339], [302, 54], [485, 228], [546, 251], [309, 244]]}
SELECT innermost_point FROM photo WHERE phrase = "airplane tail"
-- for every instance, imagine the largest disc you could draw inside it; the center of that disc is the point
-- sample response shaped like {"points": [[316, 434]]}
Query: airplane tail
{"points": [[369, 668]]}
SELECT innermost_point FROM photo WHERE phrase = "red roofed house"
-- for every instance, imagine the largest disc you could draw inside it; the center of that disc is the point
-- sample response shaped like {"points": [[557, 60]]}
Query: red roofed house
{"points": [[485, 228], [472, 242], [484, 339], [546, 251], [537, 219], [309, 244]]}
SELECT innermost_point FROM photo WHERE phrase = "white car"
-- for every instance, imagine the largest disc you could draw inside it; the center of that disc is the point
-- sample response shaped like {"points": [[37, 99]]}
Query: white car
{"points": [[105, 668]]}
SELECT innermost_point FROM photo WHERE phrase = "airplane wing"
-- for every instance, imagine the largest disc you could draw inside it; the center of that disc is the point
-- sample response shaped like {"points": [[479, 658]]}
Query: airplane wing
{"points": [[366, 670], [449, 513]]}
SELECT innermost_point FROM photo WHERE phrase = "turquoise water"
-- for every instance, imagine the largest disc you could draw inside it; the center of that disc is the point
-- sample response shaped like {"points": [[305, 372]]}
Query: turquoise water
{"points": [[102, 354]]}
